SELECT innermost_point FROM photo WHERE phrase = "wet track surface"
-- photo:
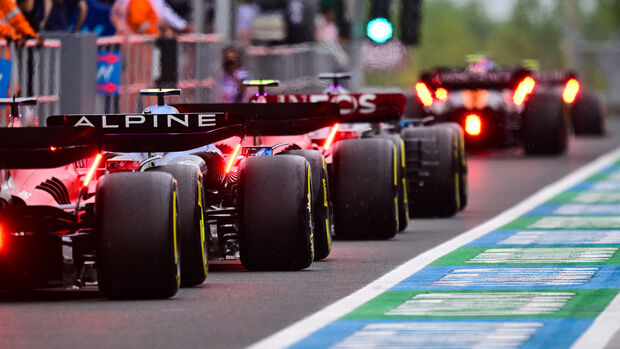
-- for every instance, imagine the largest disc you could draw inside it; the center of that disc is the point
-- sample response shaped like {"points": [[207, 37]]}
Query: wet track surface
{"points": [[237, 308]]}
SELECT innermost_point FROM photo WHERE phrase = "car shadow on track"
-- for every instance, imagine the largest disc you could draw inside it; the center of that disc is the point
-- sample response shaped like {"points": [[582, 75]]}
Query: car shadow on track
{"points": [[49, 295]]}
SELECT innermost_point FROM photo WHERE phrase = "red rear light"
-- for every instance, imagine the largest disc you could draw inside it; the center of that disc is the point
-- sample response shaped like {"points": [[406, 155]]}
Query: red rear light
{"points": [[473, 125], [441, 94], [524, 89], [424, 94], [330, 138], [232, 158], [1, 237], [122, 165], [571, 89], [92, 170]]}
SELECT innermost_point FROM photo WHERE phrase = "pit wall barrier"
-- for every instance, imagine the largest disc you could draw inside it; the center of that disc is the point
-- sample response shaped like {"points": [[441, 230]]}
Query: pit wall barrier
{"points": [[81, 73], [31, 70], [147, 62]]}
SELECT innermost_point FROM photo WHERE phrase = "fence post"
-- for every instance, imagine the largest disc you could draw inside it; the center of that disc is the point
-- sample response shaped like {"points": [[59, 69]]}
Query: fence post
{"points": [[78, 72]]}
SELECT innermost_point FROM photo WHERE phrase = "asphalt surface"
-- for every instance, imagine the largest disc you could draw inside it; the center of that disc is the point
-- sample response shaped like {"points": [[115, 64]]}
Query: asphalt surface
{"points": [[234, 309]]}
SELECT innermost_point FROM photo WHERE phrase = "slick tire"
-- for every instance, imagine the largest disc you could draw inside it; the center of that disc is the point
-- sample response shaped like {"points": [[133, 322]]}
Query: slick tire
{"points": [[433, 168], [588, 115], [137, 252], [365, 189], [462, 160], [403, 201], [545, 130], [192, 230], [322, 217], [275, 220]]}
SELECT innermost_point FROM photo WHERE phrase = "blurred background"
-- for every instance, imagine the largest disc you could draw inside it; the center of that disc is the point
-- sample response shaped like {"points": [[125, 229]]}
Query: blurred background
{"points": [[88, 56]]}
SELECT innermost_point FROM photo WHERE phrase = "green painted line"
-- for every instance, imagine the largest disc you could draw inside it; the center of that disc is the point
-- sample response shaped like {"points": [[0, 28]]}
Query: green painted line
{"points": [[583, 303], [474, 256]]}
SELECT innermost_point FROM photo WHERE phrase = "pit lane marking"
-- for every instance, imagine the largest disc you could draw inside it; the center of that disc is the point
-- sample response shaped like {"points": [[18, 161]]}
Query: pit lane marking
{"points": [[596, 335], [441, 335], [545, 255], [482, 304], [581, 222], [565, 237]]}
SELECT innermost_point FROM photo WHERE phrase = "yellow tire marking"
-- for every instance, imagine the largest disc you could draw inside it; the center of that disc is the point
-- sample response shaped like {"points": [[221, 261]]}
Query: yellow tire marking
{"points": [[395, 162], [405, 200], [325, 193], [324, 166], [174, 225], [396, 210], [402, 154], [310, 211], [202, 229], [177, 277], [329, 236]]}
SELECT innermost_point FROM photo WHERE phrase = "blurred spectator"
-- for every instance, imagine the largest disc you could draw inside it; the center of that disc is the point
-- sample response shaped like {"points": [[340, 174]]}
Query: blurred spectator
{"points": [[245, 15], [327, 33], [34, 11], [232, 89], [64, 15], [326, 28], [300, 21], [14, 24], [152, 17]]}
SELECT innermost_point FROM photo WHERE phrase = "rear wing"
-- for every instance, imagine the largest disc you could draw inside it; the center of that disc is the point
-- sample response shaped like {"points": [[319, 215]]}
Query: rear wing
{"points": [[461, 79], [354, 107], [46, 147], [69, 138], [271, 120], [553, 77], [15, 102]]}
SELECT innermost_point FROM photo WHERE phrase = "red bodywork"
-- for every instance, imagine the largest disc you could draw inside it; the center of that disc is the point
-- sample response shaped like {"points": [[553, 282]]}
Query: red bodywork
{"points": [[354, 108]]}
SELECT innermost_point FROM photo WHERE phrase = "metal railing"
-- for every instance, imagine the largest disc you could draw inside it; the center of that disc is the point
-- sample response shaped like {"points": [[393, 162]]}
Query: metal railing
{"points": [[136, 52], [35, 71], [296, 66], [198, 67]]}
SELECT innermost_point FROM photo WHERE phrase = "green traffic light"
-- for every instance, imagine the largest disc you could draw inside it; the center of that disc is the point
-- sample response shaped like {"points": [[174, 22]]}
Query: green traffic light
{"points": [[379, 30]]}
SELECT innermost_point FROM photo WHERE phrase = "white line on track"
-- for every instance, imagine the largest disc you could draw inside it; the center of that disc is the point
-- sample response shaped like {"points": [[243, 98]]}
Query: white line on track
{"points": [[600, 332]]}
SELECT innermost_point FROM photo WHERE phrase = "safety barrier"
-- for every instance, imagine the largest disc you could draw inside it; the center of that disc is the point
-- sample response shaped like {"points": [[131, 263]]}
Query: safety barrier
{"points": [[136, 60], [198, 66], [35, 71], [192, 62], [296, 66]]}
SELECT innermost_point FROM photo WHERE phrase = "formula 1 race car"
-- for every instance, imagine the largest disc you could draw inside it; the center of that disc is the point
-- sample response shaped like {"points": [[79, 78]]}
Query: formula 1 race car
{"points": [[587, 114], [141, 228], [506, 107], [433, 171], [359, 161]]}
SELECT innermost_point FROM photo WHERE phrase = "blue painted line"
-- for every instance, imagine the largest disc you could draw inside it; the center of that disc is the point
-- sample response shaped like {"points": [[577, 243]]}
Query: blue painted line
{"points": [[575, 209], [596, 186], [541, 237], [548, 333], [513, 278]]}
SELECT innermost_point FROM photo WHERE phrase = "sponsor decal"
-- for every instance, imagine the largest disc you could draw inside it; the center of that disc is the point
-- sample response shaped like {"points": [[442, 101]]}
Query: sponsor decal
{"points": [[137, 121]]}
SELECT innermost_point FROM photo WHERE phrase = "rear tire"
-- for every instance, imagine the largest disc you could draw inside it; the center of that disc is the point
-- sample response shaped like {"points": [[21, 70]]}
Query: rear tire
{"points": [[544, 125], [137, 253], [403, 202], [588, 115], [432, 170], [365, 189], [275, 222], [462, 164], [192, 230], [321, 203]]}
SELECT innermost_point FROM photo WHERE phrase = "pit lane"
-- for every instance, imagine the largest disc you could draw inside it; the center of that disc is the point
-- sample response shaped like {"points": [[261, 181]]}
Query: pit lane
{"points": [[236, 308]]}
